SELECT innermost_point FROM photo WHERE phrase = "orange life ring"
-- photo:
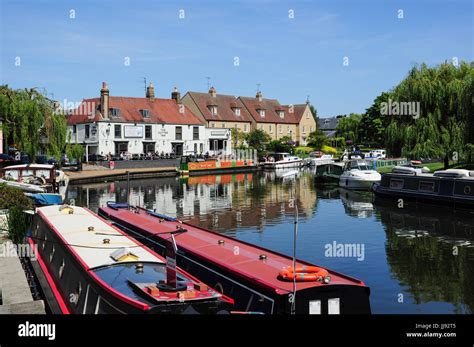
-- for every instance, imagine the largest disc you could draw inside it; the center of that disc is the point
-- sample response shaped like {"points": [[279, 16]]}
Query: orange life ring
{"points": [[303, 273]]}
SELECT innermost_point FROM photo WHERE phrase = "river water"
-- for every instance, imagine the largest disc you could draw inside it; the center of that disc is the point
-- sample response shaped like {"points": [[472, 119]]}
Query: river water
{"points": [[416, 259]]}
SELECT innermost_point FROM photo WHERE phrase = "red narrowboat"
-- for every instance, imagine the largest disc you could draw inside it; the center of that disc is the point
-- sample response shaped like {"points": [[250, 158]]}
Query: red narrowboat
{"points": [[258, 279]]}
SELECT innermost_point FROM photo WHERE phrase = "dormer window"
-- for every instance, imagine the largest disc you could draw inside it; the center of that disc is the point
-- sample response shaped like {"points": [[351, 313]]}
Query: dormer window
{"points": [[261, 113], [237, 111], [213, 110], [281, 114], [114, 112], [145, 113]]}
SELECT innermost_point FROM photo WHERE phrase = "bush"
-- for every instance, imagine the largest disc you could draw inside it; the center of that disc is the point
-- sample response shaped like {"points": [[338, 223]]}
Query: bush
{"points": [[18, 224], [329, 150], [13, 197]]}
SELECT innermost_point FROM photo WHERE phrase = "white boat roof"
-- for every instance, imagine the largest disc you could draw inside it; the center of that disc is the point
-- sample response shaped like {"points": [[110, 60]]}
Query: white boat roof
{"points": [[89, 245], [29, 166]]}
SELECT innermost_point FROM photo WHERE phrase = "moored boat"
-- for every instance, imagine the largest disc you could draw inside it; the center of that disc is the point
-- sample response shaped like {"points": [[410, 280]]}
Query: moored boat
{"points": [[358, 174], [258, 279], [35, 178], [452, 187], [283, 161], [192, 165], [87, 266]]}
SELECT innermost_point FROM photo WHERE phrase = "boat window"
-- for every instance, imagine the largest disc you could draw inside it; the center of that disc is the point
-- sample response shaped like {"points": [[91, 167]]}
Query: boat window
{"points": [[11, 174], [396, 183], [43, 173], [427, 186]]}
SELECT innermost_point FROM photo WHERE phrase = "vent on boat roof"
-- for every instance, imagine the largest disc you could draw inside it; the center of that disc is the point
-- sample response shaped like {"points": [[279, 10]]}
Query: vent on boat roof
{"points": [[66, 209], [123, 254]]}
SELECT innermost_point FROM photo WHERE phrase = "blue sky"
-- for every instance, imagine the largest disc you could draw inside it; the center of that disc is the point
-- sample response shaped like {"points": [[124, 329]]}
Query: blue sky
{"points": [[289, 57]]}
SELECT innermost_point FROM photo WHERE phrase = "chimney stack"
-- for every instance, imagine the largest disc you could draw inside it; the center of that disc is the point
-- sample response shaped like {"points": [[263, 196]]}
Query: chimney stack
{"points": [[150, 92], [175, 95], [259, 95], [213, 92], [104, 100]]}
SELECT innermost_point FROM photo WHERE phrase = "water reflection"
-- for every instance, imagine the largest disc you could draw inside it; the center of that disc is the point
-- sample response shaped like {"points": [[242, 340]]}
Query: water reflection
{"points": [[430, 250], [218, 202], [426, 254]]}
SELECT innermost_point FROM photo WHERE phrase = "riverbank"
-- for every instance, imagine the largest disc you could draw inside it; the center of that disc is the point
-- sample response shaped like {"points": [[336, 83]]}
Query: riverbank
{"points": [[16, 296], [104, 175]]}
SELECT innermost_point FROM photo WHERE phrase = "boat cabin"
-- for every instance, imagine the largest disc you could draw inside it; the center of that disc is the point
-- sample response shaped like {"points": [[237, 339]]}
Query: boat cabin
{"points": [[357, 164], [43, 175]]}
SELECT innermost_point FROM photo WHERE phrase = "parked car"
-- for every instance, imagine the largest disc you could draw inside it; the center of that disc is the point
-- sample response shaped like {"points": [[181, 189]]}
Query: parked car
{"points": [[97, 157], [66, 162], [43, 159], [6, 160]]}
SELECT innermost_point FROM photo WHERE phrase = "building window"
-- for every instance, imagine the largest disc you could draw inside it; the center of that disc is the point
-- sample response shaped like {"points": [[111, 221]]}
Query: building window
{"points": [[114, 112], [307, 115], [245, 127], [261, 126], [281, 114], [270, 129], [304, 131], [148, 133], [288, 130], [145, 113], [195, 133], [118, 131], [87, 131], [213, 110], [262, 113], [237, 111], [281, 129], [213, 125], [223, 125], [179, 133], [74, 129]]}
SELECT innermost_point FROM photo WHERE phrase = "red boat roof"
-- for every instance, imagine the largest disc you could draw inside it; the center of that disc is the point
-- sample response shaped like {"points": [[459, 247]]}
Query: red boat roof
{"points": [[240, 257]]}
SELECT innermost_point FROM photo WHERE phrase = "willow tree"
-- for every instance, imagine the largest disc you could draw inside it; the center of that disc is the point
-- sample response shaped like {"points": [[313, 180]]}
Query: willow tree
{"points": [[30, 122], [441, 128]]}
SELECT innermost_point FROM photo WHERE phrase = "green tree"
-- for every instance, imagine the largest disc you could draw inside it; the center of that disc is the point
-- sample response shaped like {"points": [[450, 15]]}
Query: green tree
{"points": [[257, 139], [373, 123], [444, 125], [31, 123], [348, 127]]}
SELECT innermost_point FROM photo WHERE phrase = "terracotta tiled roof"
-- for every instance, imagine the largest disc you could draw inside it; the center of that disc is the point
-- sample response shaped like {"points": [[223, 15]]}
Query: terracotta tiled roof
{"points": [[224, 103], [161, 111], [271, 106], [298, 111]]}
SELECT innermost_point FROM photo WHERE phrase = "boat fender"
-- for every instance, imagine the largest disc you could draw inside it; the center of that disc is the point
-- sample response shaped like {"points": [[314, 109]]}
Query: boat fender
{"points": [[304, 274]]}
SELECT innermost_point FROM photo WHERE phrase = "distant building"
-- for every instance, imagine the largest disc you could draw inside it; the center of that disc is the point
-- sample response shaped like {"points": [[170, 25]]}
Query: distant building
{"points": [[247, 113], [115, 124], [294, 121], [329, 125]]}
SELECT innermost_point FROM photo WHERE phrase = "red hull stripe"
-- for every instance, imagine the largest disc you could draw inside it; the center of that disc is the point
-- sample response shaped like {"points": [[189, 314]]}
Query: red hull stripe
{"points": [[52, 284]]}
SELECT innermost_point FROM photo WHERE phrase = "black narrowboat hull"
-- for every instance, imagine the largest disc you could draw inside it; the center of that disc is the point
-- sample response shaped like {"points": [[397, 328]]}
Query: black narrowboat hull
{"points": [[69, 288], [455, 193]]}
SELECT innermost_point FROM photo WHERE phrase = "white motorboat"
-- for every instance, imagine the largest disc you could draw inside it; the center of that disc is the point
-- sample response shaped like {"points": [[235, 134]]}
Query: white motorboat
{"points": [[36, 178], [358, 174], [26, 187], [324, 159], [283, 161]]}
